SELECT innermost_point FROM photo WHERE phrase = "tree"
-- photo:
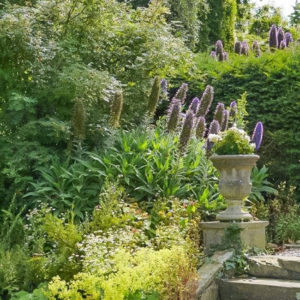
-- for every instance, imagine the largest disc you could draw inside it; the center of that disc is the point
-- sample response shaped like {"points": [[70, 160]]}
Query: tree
{"points": [[295, 15], [264, 18], [221, 21]]}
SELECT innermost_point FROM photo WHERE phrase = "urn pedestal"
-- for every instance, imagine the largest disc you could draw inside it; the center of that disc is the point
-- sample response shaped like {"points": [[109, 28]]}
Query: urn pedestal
{"points": [[235, 185]]}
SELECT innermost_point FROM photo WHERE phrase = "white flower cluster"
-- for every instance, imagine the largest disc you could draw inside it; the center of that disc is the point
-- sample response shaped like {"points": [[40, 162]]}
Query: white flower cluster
{"points": [[241, 132], [214, 138]]}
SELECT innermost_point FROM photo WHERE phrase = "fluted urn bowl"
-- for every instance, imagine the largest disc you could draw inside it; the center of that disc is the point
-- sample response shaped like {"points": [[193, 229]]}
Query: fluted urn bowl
{"points": [[235, 183]]}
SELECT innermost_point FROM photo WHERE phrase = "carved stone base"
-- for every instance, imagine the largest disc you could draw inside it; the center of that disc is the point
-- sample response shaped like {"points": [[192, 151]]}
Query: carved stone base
{"points": [[253, 233], [234, 211]]}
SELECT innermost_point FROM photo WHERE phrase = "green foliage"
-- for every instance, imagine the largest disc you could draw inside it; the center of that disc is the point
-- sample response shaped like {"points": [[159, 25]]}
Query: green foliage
{"points": [[116, 109], [221, 21], [264, 18], [233, 141], [260, 185], [165, 271], [151, 166], [288, 228], [295, 15], [79, 120]]}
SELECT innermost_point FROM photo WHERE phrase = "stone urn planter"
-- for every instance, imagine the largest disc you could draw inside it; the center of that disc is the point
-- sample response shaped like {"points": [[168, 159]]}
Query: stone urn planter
{"points": [[235, 183]]}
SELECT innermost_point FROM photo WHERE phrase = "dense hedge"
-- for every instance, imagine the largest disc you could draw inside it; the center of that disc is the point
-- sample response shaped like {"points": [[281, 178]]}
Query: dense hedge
{"points": [[272, 83]]}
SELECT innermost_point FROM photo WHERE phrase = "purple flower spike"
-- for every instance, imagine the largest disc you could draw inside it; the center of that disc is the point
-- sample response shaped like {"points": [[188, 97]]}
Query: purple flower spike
{"points": [[245, 49], [273, 38], [280, 36], [194, 105], [219, 113], [205, 101], [213, 54], [225, 121], [233, 109], [282, 45], [164, 86], [258, 135], [288, 38], [181, 93], [238, 47], [219, 47], [214, 127]]}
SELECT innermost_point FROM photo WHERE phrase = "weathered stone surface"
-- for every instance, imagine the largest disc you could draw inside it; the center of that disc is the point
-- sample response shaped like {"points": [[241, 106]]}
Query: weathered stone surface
{"points": [[208, 273], [235, 183], [252, 234], [290, 263], [274, 267], [258, 289], [267, 267], [211, 293]]}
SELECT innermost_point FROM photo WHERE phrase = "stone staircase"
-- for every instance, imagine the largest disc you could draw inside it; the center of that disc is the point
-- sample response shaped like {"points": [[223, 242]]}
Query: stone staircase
{"points": [[269, 278]]}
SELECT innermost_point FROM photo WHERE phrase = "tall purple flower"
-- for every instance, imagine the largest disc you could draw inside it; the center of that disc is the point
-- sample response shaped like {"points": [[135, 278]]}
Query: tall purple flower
{"points": [[200, 127], [213, 54], [225, 120], [174, 114], [273, 38], [194, 105], [205, 101], [258, 135], [288, 38], [280, 36], [186, 131], [181, 92], [256, 48], [282, 45], [214, 128], [238, 47], [219, 47], [164, 86], [245, 49], [225, 55], [219, 113], [233, 109]]}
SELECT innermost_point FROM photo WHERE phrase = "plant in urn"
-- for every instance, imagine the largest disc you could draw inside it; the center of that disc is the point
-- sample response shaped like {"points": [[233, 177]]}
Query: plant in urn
{"points": [[233, 156]]}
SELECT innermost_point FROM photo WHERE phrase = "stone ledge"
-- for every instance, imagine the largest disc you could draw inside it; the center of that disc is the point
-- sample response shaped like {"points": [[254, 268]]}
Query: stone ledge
{"points": [[223, 225], [207, 289]]}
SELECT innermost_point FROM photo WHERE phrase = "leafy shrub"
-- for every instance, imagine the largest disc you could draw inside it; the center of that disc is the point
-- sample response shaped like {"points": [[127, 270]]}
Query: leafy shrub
{"points": [[288, 228], [165, 271]]}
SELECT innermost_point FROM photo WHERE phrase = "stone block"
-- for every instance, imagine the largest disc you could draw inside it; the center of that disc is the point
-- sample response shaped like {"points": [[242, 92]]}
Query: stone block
{"points": [[253, 233]]}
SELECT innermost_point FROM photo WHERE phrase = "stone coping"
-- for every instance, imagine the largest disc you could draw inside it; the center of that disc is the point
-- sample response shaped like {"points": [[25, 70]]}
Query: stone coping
{"points": [[211, 268], [221, 225]]}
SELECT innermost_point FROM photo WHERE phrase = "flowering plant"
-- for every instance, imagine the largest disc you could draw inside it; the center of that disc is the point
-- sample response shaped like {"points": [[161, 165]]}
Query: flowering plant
{"points": [[236, 141]]}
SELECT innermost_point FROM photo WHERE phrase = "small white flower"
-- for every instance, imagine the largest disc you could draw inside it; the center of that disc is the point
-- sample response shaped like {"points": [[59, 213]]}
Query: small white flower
{"points": [[214, 138]]}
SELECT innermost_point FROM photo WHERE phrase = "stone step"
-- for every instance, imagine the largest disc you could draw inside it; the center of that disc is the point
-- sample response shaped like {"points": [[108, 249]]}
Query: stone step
{"points": [[259, 289], [279, 267]]}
